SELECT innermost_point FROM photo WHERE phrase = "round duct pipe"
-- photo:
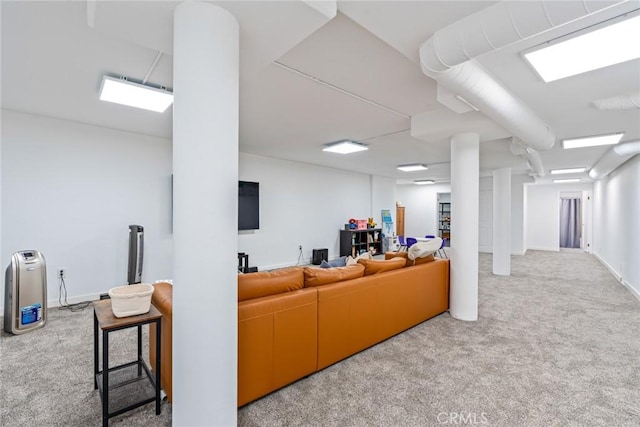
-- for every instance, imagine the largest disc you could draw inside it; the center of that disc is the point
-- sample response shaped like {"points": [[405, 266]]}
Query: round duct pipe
{"points": [[532, 157], [630, 148], [613, 158], [447, 58], [479, 88], [500, 25]]}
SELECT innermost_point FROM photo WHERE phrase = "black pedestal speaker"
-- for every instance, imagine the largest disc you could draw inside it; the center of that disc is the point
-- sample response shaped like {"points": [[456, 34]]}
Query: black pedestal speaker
{"points": [[318, 255]]}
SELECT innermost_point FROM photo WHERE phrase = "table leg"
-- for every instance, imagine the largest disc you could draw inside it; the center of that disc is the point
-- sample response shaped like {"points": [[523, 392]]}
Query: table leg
{"points": [[95, 351], [158, 364], [139, 350], [105, 378]]}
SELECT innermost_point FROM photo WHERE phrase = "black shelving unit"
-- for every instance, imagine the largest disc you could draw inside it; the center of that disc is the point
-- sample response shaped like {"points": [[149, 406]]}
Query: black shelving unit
{"points": [[444, 221], [356, 242]]}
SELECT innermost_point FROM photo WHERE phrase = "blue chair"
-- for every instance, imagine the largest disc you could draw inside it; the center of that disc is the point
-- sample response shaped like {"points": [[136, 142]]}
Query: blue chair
{"points": [[441, 251], [403, 244], [429, 236], [411, 241]]}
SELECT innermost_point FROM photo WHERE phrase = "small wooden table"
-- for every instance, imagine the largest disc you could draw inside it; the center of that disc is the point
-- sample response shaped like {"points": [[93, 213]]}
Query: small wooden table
{"points": [[124, 387]]}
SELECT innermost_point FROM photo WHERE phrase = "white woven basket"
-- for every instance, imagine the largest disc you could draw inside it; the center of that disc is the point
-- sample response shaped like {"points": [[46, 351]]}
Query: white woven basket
{"points": [[131, 300]]}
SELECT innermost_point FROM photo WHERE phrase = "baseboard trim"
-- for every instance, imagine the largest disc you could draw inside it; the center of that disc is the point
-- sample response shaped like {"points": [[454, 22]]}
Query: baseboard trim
{"points": [[74, 300], [71, 300], [540, 248], [618, 277]]}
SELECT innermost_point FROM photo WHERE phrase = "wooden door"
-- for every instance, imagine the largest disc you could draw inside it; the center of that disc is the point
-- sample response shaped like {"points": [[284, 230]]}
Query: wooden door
{"points": [[399, 220]]}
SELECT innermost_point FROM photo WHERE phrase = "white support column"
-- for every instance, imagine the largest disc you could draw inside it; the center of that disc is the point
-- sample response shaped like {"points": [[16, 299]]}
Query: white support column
{"points": [[502, 222], [465, 193], [205, 166]]}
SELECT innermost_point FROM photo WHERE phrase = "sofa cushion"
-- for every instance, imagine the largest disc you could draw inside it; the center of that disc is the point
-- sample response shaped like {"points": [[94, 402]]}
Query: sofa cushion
{"points": [[375, 266], [324, 276], [261, 284], [405, 255]]}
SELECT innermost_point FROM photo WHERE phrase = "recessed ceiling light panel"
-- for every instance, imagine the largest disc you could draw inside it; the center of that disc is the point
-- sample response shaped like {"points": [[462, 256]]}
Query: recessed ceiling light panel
{"points": [[121, 91], [345, 147], [568, 170], [596, 49], [412, 167], [566, 181], [592, 141], [424, 181]]}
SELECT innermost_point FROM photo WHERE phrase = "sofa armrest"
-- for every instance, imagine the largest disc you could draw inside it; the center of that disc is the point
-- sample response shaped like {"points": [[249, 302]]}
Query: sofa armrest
{"points": [[277, 342], [162, 299]]}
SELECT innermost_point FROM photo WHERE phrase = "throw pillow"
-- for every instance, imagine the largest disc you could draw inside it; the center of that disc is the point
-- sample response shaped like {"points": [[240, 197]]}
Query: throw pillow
{"points": [[424, 249], [350, 261], [375, 266], [264, 283], [365, 255], [339, 262], [318, 276]]}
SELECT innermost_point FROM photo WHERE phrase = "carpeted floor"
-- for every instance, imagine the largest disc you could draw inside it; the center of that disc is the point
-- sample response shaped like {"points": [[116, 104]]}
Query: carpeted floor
{"points": [[46, 376], [556, 344]]}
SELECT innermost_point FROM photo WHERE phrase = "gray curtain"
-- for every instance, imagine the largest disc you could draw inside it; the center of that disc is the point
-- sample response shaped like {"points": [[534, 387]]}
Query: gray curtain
{"points": [[570, 223]]}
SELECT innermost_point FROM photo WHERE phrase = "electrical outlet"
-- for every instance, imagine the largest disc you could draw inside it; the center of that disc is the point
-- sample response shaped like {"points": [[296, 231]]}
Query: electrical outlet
{"points": [[61, 273]]}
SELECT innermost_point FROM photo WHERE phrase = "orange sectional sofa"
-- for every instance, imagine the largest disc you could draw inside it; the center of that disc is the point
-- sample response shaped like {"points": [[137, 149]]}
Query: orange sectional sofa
{"points": [[296, 321]]}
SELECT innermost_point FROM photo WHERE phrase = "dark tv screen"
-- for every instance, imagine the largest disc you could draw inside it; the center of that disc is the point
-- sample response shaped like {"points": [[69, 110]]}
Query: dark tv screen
{"points": [[248, 205]]}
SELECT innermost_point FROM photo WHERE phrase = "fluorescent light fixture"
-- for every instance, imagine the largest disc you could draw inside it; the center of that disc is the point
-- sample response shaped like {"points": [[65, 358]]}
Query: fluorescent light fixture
{"points": [[592, 141], [412, 168], [605, 46], [568, 170], [565, 181], [345, 147], [121, 91], [424, 181]]}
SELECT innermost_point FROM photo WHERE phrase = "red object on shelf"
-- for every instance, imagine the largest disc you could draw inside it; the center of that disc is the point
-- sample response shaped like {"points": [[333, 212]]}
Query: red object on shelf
{"points": [[361, 224]]}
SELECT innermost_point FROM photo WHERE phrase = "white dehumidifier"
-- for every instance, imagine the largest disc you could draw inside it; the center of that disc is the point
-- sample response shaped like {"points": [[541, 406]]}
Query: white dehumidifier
{"points": [[25, 293]]}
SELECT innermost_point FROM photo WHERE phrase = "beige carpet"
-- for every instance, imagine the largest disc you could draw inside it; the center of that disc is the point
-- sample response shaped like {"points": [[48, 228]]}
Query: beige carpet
{"points": [[556, 344]]}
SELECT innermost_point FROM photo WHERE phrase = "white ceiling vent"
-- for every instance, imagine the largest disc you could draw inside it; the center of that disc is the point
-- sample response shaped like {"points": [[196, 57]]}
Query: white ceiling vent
{"points": [[627, 101]]}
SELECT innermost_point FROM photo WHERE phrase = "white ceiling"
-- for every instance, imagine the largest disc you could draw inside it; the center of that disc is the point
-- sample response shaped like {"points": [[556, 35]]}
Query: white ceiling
{"points": [[366, 56]]}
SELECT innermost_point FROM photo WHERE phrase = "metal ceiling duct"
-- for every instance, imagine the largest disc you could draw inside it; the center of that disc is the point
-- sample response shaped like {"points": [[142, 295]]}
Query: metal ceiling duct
{"points": [[613, 158], [627, 101], [532, 157], [448, 57]]}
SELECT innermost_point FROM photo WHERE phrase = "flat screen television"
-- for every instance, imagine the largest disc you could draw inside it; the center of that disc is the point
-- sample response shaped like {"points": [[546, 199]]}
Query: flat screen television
{"points": [[248, 205]]}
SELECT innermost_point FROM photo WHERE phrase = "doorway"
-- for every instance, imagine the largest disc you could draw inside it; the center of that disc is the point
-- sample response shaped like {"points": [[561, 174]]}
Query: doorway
{"points": [[444, 217], [570, 222]]}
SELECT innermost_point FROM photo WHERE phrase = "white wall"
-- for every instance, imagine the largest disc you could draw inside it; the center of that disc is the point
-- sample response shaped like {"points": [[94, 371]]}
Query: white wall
{"points": [[302, 204], [71, 190], [543, 214], [616, 215], [421, 207], [383, 196]]}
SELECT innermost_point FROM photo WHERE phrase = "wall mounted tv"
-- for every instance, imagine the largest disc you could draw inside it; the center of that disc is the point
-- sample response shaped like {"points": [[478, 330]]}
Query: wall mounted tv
{"points": [[248, 205]]}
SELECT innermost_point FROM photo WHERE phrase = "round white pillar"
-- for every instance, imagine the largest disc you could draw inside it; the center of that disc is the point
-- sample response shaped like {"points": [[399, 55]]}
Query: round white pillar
{"points": [[465, 193], [502, 222], [205, 195]]}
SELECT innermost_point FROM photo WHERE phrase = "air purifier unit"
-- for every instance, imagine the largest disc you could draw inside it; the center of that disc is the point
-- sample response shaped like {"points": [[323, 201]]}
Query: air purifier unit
{"points": [[319, 255], [25, 293], [136, 251]]}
